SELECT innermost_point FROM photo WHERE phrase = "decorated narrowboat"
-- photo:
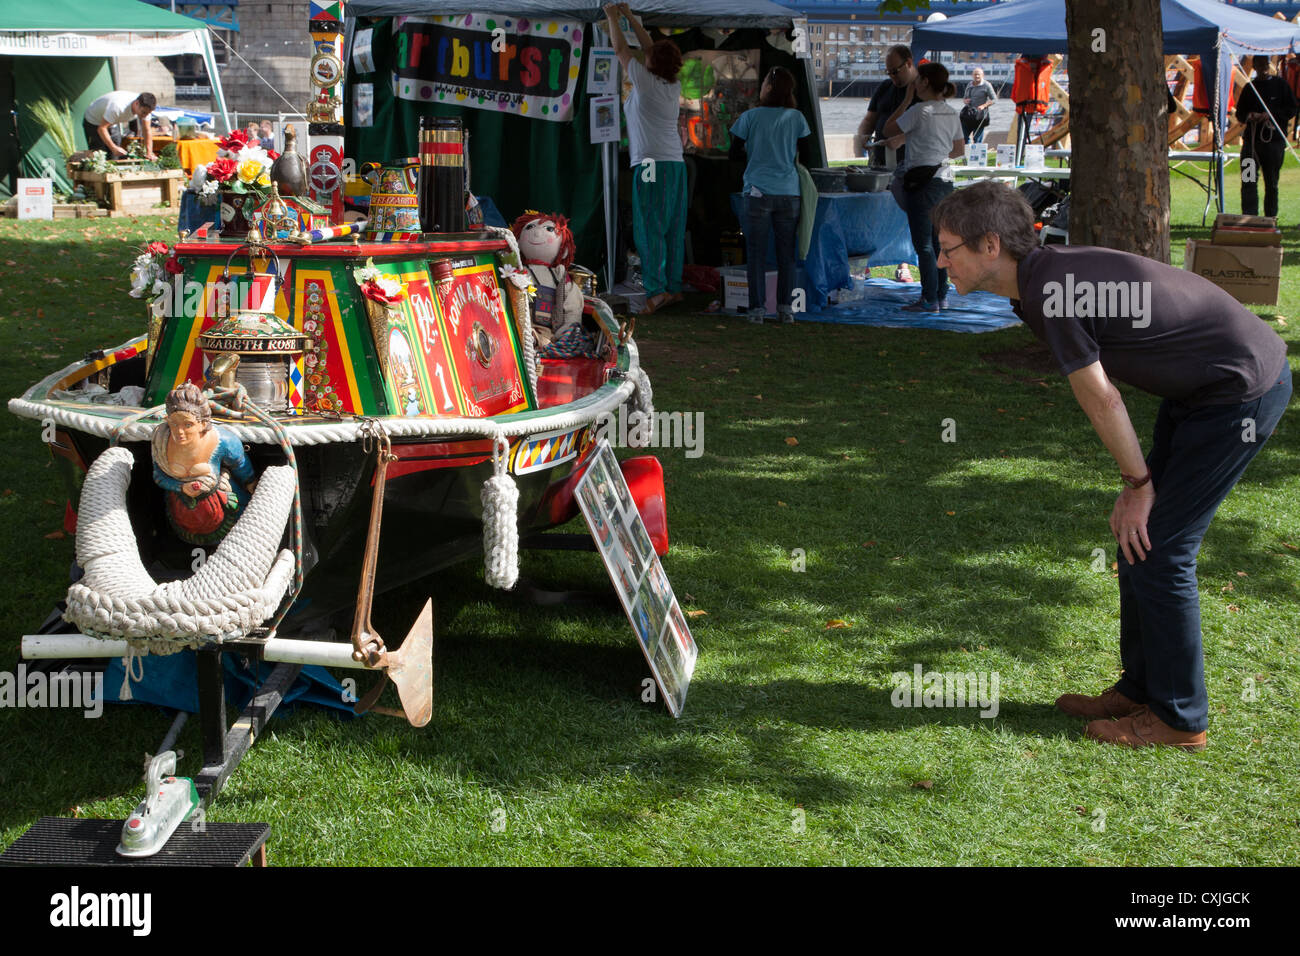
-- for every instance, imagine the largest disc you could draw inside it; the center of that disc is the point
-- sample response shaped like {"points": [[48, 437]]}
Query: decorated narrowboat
{"points": [[321, 410]]}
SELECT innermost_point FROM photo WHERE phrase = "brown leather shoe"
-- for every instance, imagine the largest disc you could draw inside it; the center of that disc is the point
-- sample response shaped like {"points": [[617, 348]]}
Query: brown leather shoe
{"points": [[1144, 729], [1110, 703]]}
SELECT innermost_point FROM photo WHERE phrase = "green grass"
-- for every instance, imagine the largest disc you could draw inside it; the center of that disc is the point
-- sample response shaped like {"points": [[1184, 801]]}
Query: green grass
{"points": [[971, 556]]}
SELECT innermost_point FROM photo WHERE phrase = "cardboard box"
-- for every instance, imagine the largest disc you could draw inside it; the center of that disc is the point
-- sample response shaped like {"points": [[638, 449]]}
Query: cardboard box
{"points": [[1230, 230], [1250, 274], [735, 290]]}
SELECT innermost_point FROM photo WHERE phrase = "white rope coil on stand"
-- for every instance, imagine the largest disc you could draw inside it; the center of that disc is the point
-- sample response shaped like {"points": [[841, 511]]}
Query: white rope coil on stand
{"points": [[235, 590], [500, 497], [643, 402]]}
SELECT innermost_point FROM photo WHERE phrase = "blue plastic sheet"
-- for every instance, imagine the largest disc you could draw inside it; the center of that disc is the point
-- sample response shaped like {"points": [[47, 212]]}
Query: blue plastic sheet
{"points": [[854, 224], [171, 681], [881, 301], [847, 225]]}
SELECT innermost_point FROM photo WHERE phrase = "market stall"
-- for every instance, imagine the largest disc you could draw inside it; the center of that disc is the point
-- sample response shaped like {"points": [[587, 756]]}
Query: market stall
{"points": [[531, 145], [1215, 31]]}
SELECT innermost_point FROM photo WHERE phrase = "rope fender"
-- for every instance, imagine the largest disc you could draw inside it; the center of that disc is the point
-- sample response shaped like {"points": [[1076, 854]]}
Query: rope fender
{"points": [[237, 588]]}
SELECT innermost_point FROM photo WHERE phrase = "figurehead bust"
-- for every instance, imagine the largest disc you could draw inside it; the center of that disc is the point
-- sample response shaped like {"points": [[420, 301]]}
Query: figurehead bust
{"points": [[201, 466]]}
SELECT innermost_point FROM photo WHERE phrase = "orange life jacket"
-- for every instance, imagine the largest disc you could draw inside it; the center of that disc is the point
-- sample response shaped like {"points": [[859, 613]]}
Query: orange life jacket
{"points": [[1201, 98], [1031, 89], [1291, 73]]}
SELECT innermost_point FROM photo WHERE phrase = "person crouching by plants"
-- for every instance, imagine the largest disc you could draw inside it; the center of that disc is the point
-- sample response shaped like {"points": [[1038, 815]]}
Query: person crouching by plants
{"points": [[933, 136], [103, 119]]}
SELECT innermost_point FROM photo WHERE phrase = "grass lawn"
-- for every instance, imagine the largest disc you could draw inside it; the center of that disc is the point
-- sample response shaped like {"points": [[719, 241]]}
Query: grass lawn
{"points": [[975, 556]]}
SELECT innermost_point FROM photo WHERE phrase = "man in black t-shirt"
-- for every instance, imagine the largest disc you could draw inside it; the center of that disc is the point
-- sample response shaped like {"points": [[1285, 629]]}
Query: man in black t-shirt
{"points": [[1264, 138], [1225, 381], [888, 96]]}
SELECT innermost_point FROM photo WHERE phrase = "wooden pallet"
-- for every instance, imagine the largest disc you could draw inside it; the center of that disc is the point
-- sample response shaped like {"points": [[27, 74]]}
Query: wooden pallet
{"points": [[77, 210], [135, 193]]}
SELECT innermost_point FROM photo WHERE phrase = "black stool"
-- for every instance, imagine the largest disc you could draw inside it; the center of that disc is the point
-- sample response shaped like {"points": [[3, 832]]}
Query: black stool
{"points": [[60, 841]]}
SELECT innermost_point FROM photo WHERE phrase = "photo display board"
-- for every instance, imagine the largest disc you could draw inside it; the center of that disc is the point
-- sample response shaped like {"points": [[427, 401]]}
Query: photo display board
{"points": [[638, 577]]}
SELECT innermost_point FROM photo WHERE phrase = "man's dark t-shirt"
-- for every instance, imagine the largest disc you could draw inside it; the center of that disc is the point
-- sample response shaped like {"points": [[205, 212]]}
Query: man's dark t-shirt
{"points": [[1163, 330], [887, 98], [1277, 96]]}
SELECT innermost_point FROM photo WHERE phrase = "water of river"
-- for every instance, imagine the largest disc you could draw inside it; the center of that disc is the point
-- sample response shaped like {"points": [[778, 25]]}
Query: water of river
{"points": [[842, 114]]}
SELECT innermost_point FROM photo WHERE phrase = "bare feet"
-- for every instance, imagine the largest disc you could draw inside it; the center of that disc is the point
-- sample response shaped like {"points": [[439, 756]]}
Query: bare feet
{"points": [[655, 303]]}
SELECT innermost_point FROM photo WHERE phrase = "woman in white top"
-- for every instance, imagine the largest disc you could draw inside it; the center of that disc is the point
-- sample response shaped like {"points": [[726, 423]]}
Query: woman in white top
{"points": [[658, 169], [932, 132]]}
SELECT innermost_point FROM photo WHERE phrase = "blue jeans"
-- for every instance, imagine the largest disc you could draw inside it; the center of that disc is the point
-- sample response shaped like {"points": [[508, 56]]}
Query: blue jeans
{"points": [[1197, 455], [779, 215], [925, 238]]}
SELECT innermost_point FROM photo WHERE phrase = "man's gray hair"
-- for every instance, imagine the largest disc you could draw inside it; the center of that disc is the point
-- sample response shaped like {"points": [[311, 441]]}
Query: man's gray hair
{"points": [[975, 211]]}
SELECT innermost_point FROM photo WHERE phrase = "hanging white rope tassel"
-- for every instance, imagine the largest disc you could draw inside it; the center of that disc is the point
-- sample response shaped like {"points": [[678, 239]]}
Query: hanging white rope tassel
{"points": [[500, 498], [132, 670], [642, 402]]}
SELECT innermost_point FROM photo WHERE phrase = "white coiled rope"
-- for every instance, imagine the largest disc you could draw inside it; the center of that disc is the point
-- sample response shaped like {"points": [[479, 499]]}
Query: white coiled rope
{"points": [[584, 411], [500, 497], [643, 402], [238, 587]]}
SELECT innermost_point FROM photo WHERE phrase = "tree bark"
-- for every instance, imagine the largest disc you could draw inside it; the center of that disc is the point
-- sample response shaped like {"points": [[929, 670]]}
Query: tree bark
{"points": [[1118, 125]]}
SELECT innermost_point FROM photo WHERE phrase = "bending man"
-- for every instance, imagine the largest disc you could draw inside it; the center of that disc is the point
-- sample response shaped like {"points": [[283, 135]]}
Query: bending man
{"points": [[102, 119], [1225, 381]]}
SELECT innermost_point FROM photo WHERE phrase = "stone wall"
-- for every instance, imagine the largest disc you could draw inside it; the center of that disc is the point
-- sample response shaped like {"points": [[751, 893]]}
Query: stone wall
{"points": [[273, 38], [141, 74]]}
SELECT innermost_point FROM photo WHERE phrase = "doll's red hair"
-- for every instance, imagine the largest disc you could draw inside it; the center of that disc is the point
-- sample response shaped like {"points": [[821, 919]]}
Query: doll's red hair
{"points": [[568, 248]]}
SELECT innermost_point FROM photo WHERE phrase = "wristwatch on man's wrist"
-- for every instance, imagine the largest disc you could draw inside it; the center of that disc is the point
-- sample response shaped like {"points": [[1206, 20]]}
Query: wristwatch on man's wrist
{"points": [[1135, 483]]}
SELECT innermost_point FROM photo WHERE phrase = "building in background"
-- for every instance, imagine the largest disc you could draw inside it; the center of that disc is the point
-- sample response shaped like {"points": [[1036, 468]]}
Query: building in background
{"points": [[269, 36], [849, 39]]}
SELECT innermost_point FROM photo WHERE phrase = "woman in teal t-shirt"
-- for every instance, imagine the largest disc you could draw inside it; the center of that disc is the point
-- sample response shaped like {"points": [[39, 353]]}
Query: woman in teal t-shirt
{"points": [[769, 134]]}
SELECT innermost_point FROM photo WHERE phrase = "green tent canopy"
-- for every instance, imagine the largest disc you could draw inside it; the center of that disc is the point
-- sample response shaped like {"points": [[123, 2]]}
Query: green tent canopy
{"points": [[60, 50]]}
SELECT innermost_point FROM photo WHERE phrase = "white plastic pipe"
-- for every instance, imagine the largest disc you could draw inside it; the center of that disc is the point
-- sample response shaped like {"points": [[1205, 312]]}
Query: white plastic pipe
{"points": [[322, 653]]}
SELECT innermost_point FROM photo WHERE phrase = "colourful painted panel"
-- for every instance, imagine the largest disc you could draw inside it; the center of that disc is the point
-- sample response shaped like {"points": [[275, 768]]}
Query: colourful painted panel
{"points": [[337, 372], [481, 342], [537, 452], [325, 11], [433, 368]]}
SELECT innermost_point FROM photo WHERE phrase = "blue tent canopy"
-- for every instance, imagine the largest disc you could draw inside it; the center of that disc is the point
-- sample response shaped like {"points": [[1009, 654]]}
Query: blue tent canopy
{"points": [[1215, 31]]}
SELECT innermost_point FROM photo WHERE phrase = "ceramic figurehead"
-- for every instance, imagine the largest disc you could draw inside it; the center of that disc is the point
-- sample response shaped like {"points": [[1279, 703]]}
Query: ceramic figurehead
{"points": [[202, 467], [547, 248]]}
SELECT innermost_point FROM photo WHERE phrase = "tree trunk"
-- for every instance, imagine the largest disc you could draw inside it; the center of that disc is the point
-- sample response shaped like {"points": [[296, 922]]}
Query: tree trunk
{"points": [[1118, 108]]}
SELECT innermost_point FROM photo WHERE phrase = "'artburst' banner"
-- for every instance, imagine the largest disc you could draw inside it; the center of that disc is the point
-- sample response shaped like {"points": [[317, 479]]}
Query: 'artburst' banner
{"points": [[489, 62]]}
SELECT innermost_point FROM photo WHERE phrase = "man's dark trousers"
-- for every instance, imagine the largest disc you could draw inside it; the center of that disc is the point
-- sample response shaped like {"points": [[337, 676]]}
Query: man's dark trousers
{"points": [[1269, 155], [1196, 457]]}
